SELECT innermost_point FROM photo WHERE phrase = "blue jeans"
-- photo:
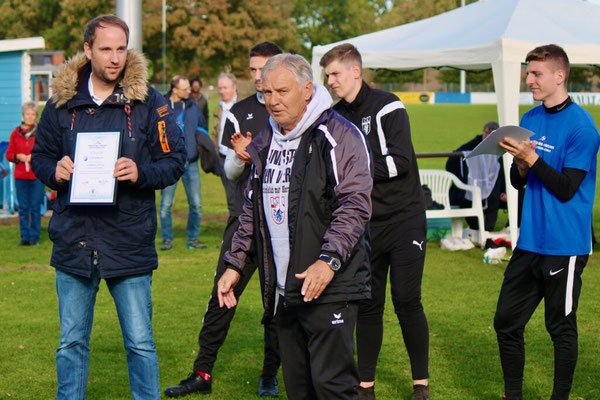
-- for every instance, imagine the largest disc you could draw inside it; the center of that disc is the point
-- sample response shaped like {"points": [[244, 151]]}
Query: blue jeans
{"points": [[133, 300], [30, 195], [191, 182]]}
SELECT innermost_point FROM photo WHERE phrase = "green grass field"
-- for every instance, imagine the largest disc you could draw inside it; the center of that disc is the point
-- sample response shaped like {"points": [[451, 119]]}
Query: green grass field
{"points": [[459, 294]]}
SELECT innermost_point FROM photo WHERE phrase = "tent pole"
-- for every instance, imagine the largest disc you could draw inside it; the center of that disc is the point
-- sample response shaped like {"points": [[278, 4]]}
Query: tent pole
{"points": [[507, 76]]}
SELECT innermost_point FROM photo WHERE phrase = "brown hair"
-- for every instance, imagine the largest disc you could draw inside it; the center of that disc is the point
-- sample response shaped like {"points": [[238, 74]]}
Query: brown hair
{"points": [[344, 53], [551, 53], [102, 22]]}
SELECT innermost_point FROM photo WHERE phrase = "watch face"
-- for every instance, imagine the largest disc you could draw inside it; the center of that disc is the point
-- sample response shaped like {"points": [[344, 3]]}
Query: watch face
{"points": [[335, 264]]}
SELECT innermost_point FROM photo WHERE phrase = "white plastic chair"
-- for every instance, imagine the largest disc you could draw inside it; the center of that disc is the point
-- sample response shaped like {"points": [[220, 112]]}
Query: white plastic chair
{"points": [[439, 182]]}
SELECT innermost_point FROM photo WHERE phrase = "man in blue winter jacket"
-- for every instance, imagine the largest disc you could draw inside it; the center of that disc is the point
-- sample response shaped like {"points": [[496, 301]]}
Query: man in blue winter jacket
{"points": [[105, 89], [191, 121]]}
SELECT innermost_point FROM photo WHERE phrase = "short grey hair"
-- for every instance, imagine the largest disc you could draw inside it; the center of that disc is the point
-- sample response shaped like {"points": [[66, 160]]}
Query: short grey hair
{"points": [[28, 105], [294, 63], [229, 76]]}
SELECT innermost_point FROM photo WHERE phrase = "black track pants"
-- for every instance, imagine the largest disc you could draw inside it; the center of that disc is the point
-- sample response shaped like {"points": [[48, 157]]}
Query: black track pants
{"points": [[529, 278], [399, 248], [317, 350], [217, 320]]}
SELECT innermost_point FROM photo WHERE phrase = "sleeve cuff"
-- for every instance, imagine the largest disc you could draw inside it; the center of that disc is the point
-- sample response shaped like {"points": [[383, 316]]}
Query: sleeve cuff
{"points": [[538, 164], [141, 177], [239, 163], [332, 254], [236, 269]]}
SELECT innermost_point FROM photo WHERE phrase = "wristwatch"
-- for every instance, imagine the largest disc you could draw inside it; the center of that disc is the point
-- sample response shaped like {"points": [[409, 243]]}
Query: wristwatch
{"points": [[333, 262]]}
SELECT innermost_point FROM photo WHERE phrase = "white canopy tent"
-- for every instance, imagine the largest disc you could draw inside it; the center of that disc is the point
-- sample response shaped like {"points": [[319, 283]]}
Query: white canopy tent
{"points": [[496, 33]]}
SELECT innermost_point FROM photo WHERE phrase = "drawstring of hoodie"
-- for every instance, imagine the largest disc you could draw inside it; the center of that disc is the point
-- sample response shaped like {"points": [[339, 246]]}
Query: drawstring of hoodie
{"points": [[128, 112]]}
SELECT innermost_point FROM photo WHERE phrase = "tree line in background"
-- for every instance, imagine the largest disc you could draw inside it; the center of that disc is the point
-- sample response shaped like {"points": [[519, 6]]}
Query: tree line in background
{"points": [[205, 37]]}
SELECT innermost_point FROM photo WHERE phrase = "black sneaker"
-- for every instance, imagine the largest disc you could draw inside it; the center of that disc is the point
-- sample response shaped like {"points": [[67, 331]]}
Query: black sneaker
{"points": [[24, 243], [194, 383], [365, 393], [167, 245], [420, 392], [505, 397], [267, 386], [195, 244]]}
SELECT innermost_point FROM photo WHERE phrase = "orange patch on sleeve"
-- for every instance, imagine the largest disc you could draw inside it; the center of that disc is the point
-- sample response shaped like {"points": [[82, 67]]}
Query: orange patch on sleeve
{"points": [[163, 111], [162, 137]]}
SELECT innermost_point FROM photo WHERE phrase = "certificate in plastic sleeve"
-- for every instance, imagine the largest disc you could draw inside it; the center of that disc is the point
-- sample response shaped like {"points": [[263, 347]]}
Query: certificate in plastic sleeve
{"points": [[96, 154]]}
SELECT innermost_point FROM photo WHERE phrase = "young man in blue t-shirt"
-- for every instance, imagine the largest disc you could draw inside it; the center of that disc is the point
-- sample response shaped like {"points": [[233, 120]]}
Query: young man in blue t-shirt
{"points": [[558, 165]]}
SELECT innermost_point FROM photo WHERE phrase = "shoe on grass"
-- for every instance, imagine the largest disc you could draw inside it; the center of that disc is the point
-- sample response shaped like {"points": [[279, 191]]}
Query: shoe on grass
{"points": [[24, 243], [420, 392], [194, 383], [195, 244], [267, 386], [365, 393], [167, 245]]}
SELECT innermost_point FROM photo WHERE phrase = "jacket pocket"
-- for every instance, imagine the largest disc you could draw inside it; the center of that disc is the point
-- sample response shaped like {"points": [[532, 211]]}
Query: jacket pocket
{"points": [[65, 227], [136, 222]]}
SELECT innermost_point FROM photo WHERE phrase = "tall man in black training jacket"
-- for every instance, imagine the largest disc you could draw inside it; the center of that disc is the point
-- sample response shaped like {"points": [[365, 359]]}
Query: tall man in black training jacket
{"points": [[398, 225]]}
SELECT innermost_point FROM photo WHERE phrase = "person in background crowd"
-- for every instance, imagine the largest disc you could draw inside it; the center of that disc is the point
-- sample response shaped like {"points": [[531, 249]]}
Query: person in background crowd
{"points": [[198, 97], [190, 121], [30, 191], [494, 195], [228, 92]]}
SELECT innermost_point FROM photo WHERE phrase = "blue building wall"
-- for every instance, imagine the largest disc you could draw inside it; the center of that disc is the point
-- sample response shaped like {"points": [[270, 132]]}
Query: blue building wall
{"points": [[452, 97], [10, 92]]}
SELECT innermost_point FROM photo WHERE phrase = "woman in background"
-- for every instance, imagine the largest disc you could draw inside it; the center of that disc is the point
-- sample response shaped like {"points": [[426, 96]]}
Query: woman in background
{"points": [[30, 191]]}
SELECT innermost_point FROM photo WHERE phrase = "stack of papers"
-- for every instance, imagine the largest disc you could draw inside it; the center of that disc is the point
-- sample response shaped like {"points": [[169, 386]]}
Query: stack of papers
{"points": [[490, 144]]}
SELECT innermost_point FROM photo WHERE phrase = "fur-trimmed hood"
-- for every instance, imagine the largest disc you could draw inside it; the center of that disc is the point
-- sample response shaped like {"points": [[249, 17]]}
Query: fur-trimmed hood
{"points": [[134, 82]]}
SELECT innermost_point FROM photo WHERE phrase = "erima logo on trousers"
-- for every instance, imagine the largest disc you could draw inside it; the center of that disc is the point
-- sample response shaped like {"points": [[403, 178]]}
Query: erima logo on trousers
{"points": [[418, 244], [337, 319]]}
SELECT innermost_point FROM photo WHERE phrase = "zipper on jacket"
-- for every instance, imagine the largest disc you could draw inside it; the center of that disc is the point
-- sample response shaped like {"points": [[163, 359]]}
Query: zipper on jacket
{"points": [[95, 258]]}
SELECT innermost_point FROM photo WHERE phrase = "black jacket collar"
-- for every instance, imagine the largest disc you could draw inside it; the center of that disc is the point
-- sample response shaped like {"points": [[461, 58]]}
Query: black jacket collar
{"points": [[361, 97]]}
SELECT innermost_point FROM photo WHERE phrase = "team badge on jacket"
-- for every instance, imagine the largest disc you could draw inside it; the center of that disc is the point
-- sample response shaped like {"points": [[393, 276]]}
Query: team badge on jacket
{"points": [[366, 125], [278, 209]]}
